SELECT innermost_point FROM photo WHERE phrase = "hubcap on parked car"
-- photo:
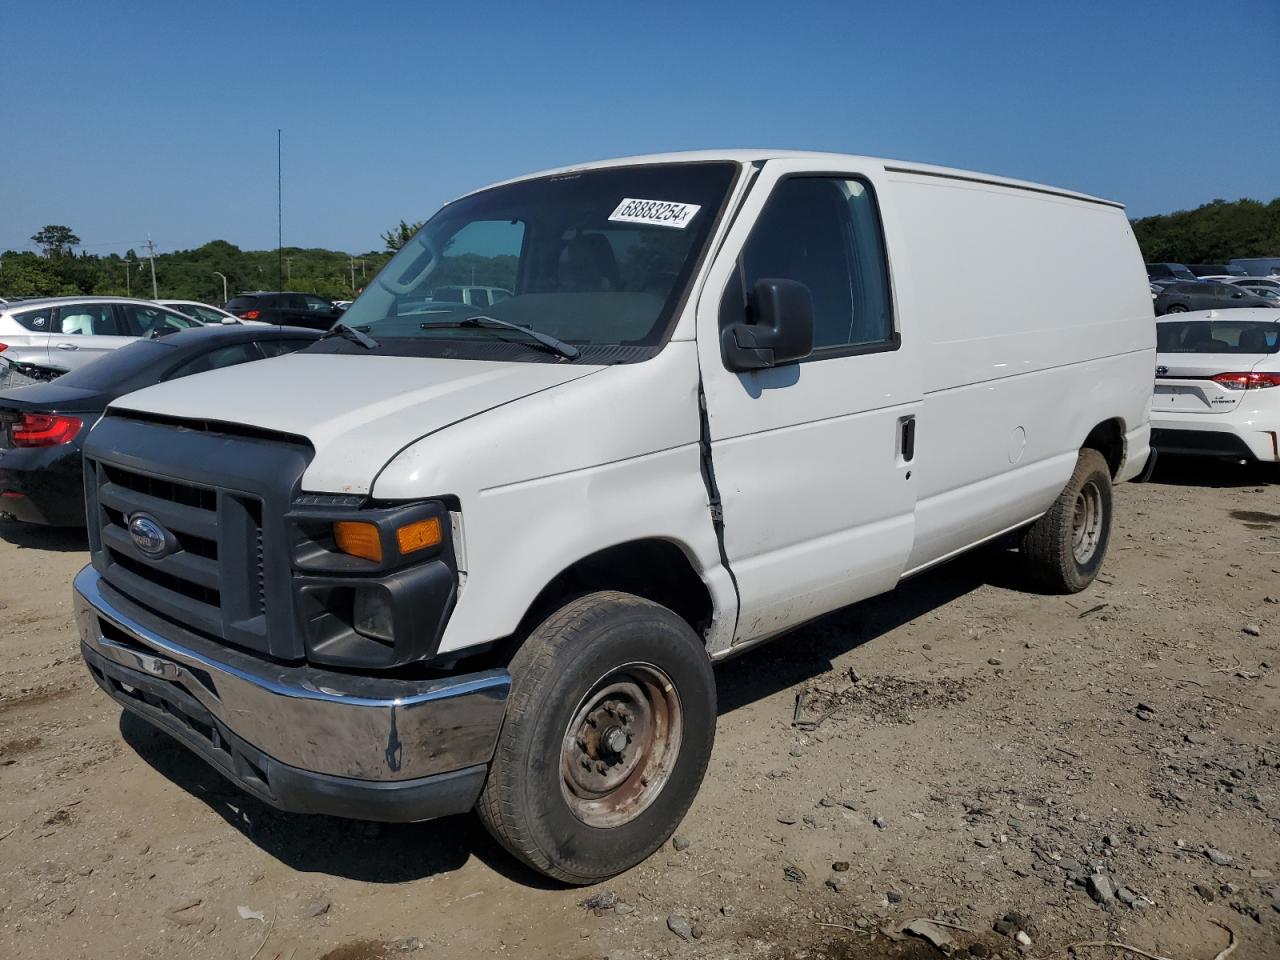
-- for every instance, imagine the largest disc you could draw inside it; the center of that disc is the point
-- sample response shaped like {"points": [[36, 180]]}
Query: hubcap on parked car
{"points": [[621, 745]]}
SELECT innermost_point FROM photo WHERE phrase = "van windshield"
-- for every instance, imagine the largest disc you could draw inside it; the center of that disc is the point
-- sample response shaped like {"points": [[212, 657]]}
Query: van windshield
{"points": [[599, 259]]}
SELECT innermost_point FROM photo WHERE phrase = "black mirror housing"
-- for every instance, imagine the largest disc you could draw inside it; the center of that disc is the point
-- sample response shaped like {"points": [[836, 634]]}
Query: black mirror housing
{"points": [[779, 328]]}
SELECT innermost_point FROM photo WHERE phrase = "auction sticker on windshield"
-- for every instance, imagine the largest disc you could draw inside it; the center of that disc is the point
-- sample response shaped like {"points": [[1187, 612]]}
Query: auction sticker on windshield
{"points": [[658, 213]]}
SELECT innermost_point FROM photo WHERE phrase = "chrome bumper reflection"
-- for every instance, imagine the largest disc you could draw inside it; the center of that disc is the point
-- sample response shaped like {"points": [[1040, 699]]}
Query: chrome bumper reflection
{"points": [[361, 727]]}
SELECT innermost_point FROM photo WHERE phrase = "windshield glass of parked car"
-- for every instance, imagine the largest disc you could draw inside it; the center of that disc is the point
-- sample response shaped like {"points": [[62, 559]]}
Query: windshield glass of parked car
{"points": [[1217, 336], [599, 259]]}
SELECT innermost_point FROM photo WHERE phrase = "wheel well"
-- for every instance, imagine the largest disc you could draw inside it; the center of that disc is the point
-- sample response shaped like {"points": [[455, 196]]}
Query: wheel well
{"points": [[1108, 439], [657, 570]]}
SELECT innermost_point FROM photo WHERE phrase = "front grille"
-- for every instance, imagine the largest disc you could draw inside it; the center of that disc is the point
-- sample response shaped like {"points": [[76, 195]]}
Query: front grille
{"points": [[223, 497], [193, 584]]}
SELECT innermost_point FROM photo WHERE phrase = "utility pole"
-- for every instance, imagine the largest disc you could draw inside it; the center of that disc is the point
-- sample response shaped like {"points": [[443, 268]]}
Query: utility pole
{"points": [[151, 251], [288, 269], [353, 274], [224, 286], [128, 286]]}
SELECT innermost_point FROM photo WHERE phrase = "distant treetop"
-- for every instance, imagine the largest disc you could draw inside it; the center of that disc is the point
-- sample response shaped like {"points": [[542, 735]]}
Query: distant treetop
{"points": [[1216, 232]]}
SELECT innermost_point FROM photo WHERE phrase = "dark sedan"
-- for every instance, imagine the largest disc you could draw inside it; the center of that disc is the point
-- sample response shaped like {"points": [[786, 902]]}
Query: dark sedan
{"points": [[1205, 295], [43, 427]]}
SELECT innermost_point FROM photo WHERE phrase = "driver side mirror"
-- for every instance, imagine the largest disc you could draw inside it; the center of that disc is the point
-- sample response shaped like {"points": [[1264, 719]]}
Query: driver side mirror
{"points": [[779, 331]]}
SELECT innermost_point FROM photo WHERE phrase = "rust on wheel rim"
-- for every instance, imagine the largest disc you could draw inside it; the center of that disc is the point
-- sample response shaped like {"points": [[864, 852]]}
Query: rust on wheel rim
{"points": [[1086, 523], [621, 745]]}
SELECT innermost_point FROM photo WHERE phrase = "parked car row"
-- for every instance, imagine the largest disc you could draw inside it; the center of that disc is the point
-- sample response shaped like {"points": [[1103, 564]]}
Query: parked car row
{"points": [[1241, 267], [43, 427], [42, 338]]}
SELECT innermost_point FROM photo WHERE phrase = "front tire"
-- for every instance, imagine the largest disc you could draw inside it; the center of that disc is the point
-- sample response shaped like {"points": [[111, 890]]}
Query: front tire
{"points": [[1064, 549], [1178, 308], [607, 736]]}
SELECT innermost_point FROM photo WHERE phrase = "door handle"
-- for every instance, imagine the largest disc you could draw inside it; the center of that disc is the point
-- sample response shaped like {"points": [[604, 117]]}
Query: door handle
{"points": [[907, 438], [68, 346]]}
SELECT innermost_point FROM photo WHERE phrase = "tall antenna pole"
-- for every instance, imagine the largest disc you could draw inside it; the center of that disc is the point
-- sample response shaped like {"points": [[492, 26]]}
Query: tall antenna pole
{"points": [[279, 212]]}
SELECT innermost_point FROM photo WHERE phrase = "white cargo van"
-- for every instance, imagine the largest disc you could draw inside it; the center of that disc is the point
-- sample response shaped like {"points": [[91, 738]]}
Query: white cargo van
{"points": [[447, 559]]}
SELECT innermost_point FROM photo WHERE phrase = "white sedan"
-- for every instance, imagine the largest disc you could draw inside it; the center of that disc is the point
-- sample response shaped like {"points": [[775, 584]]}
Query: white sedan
{"points": [[1217, 390], [204, 312]]}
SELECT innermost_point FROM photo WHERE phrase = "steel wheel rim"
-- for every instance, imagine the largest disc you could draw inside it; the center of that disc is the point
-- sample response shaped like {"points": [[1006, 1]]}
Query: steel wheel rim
{"points": [[1086, 523], [621, 745]]}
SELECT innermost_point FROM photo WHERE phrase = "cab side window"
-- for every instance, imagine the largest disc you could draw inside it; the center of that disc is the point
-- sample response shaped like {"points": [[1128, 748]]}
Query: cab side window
{"points": [[823, 232], [145, 320], [88, 319]]}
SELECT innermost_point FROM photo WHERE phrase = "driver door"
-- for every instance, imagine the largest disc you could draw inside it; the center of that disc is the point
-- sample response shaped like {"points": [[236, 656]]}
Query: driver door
{"points": [[813, 460]]}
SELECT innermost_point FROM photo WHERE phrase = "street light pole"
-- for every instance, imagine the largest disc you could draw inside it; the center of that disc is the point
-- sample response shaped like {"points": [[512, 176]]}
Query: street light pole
{"points": [[224, 286]]}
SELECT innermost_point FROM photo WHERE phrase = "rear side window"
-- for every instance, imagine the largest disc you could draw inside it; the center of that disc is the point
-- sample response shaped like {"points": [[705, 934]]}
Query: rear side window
{"points": [[216, 359], [1217, 336], [318, 304], [825, 233], [277, 348], [37, 320]]}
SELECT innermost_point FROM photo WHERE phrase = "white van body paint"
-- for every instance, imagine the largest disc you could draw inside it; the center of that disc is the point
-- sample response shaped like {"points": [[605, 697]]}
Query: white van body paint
{"points": [[551, 462]]}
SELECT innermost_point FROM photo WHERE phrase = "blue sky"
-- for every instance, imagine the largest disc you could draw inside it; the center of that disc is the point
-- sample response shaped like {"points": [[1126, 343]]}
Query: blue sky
{"points": [[160, 118]]}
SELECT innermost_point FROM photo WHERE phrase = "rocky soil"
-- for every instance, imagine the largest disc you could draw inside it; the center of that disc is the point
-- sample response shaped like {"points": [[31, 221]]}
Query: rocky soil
{"points": [[960, 767]]}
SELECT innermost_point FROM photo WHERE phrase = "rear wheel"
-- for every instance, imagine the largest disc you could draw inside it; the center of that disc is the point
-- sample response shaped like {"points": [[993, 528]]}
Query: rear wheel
{"points": [[1177, 308], [1064, 548], [608, 731]]}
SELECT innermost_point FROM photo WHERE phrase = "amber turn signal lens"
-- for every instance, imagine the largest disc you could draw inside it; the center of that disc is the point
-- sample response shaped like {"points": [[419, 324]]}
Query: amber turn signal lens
{"points": [[359, 539], [413, 537]]}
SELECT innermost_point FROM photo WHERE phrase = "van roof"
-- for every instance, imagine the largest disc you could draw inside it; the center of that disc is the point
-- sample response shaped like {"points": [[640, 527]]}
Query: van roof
{"points": [[818, 159]]}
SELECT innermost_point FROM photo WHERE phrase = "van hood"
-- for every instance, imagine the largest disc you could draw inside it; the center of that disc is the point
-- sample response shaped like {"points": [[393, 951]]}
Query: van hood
{"points": [[357, 411]]}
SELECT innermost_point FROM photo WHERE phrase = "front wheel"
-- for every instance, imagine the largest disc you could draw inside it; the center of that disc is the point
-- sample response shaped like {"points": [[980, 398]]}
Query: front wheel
{"points": [[1177, 308], [607, 736], [1065, 547]]}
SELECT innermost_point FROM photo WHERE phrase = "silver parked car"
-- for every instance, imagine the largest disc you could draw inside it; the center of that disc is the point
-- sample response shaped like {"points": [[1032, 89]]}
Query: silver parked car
{"points": [[42, 339]]}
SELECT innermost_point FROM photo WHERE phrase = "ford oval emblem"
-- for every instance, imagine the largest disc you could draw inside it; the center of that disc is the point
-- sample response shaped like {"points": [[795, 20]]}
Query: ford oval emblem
{"points": [[148, 536]]}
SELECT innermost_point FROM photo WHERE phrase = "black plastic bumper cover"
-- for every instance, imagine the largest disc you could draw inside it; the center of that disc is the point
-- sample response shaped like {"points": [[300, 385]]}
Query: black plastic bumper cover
{"points": [[284, 787], [1209, 443]]}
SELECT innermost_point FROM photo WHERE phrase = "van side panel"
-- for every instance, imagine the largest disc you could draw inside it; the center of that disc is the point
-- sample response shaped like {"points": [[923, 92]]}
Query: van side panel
{"points": [[1036, 325]]}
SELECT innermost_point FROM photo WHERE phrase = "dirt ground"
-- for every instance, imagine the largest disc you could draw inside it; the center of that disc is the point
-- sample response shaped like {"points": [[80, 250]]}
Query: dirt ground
{"points": [[1104, 767]]}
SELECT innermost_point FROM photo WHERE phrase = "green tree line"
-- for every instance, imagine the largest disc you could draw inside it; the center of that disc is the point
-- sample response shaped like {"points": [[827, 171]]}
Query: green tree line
{"points": [[1213, 233], [182, 274], [1216, 232]]}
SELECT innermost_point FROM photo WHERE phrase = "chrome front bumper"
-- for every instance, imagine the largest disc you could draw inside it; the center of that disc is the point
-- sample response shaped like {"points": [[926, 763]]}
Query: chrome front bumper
{"points": [[340, 733]]}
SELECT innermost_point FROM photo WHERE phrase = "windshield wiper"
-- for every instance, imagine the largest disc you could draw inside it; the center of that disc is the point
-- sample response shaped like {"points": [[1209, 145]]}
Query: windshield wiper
{"points": [[556, 346], [343, 329]]}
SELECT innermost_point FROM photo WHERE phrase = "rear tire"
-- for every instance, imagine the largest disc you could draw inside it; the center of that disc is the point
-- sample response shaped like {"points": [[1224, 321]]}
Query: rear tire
{"points": [[1177, 308], [607, 736], [1064, 549]]}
